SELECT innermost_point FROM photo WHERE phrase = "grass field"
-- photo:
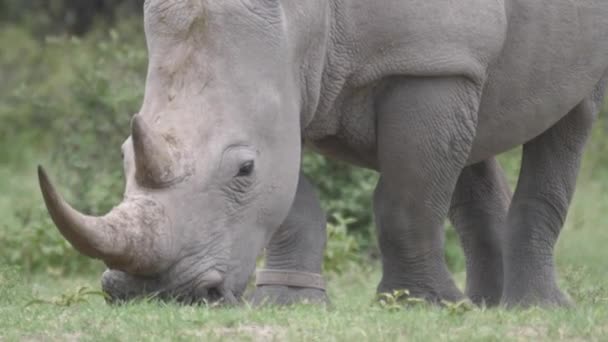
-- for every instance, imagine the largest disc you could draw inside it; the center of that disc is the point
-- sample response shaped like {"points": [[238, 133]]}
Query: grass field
{"points": [[43, 307], [353, 317]]}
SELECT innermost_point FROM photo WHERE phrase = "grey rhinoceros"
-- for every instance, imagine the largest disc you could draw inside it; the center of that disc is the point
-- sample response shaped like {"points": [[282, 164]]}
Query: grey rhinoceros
{"points": [[426, 92]]}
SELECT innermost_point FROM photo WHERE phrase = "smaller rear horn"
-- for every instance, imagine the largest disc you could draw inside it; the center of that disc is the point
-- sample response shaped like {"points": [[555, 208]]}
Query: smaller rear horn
{"points": [[154, 162]]}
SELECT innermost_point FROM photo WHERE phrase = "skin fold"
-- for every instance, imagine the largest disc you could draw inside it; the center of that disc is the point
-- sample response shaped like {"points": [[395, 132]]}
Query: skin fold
{"points": [[425, 92]]}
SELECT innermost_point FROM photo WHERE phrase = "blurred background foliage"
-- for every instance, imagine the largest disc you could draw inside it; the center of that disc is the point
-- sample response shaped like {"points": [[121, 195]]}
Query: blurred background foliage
{"points": [[72, 73]]}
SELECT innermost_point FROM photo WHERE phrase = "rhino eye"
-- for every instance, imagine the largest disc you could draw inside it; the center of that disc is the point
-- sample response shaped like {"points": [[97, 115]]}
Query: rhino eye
{"points": [[246, 169]]}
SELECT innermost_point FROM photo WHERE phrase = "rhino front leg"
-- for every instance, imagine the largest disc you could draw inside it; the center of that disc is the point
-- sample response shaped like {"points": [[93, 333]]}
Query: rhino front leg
{"points": [[425, 129], [547, 179], [478, 212], [295, 254]]}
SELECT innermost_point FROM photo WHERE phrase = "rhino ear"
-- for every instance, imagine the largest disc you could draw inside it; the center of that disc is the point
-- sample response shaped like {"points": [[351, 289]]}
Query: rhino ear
{"points": [[154, 162]]}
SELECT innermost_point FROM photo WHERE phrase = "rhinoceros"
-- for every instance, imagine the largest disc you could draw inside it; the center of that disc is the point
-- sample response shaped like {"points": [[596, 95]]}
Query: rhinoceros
{"points": [[425, 92]]}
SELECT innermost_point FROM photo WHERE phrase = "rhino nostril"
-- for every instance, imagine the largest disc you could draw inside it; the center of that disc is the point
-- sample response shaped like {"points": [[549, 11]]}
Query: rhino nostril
{"points": [[211, 279], [214, 295], [215, 277]]}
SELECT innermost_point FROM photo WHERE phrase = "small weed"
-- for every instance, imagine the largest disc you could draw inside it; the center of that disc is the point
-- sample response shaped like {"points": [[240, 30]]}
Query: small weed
{"points": [[69, 299], [397, 300], [342, 247], [581, 289], [458, 308], [400, 299]]}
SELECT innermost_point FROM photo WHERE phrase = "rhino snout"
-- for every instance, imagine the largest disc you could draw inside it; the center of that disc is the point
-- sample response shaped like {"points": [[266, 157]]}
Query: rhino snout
{"points": [[121, 287]]}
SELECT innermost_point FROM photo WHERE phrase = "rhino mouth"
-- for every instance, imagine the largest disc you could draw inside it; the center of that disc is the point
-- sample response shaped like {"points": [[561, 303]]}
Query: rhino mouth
{"points": [[121, 288], [214, 296]]}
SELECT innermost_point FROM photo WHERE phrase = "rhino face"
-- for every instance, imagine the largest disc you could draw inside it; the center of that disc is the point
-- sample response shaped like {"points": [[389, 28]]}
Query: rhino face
{"points": [[213, 158]]}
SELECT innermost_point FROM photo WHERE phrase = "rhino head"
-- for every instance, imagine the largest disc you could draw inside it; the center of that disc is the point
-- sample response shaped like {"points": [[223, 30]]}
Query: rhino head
{"points": [[212, 162]]}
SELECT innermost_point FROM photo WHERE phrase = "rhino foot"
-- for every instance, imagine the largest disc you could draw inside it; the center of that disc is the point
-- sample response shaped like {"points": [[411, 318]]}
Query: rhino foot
{"points": [[288, 295], [434, 295]]}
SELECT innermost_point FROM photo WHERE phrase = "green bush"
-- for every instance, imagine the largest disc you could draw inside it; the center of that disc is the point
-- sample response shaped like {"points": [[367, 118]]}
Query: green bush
{"points": [[71, 100], [343, 249], [66, 16], [106, 92], [345, 191]]}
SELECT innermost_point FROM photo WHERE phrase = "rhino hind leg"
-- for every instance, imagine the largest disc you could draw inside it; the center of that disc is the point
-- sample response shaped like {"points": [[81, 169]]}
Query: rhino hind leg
{"points": [[478, 211], [425, 128], [298, 245], [550, 165]]}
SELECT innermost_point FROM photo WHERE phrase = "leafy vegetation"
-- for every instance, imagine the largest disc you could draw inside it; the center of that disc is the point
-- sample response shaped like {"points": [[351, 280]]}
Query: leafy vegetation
{"points": [[57, 108], [70, 16]]}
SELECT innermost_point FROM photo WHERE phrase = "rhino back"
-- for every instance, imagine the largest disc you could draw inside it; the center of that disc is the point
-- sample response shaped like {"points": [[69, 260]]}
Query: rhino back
{"points": [[538, 60], [373, 41]]}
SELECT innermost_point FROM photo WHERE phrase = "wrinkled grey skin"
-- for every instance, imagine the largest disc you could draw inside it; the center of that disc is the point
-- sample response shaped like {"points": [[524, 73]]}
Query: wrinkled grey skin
{"points": [[426, 92]]}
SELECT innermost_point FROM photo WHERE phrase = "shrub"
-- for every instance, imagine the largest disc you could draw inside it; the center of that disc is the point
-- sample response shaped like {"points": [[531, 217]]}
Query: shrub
{"points": [[345, 191], [342, 249], [74, 113], [72, 16]]}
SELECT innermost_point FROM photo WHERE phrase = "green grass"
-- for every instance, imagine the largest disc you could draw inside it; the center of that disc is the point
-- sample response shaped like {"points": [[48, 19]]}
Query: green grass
{"points": [[582, 259], [353, 317]]}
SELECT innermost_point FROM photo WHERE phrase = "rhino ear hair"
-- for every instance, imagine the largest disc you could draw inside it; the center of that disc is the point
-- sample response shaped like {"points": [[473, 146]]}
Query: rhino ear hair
{"points": [[154, 162]]}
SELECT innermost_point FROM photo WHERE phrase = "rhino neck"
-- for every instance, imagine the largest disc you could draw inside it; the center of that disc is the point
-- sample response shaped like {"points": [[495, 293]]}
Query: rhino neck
{"points": [[314, 32], [335, 60]]}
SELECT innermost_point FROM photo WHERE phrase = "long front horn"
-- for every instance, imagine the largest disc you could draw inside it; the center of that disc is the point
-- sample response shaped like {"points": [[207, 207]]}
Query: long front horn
{"points": [[154, 164], [134, 237], [91, 236]]}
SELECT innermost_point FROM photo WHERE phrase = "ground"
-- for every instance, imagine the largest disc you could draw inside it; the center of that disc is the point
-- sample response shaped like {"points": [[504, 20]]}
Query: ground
{"points": [[354, 316]]}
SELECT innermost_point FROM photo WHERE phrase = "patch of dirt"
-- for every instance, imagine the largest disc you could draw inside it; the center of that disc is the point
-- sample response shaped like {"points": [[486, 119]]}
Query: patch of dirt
{"points": [[528, 333], [256, 333], [65, 337]]}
